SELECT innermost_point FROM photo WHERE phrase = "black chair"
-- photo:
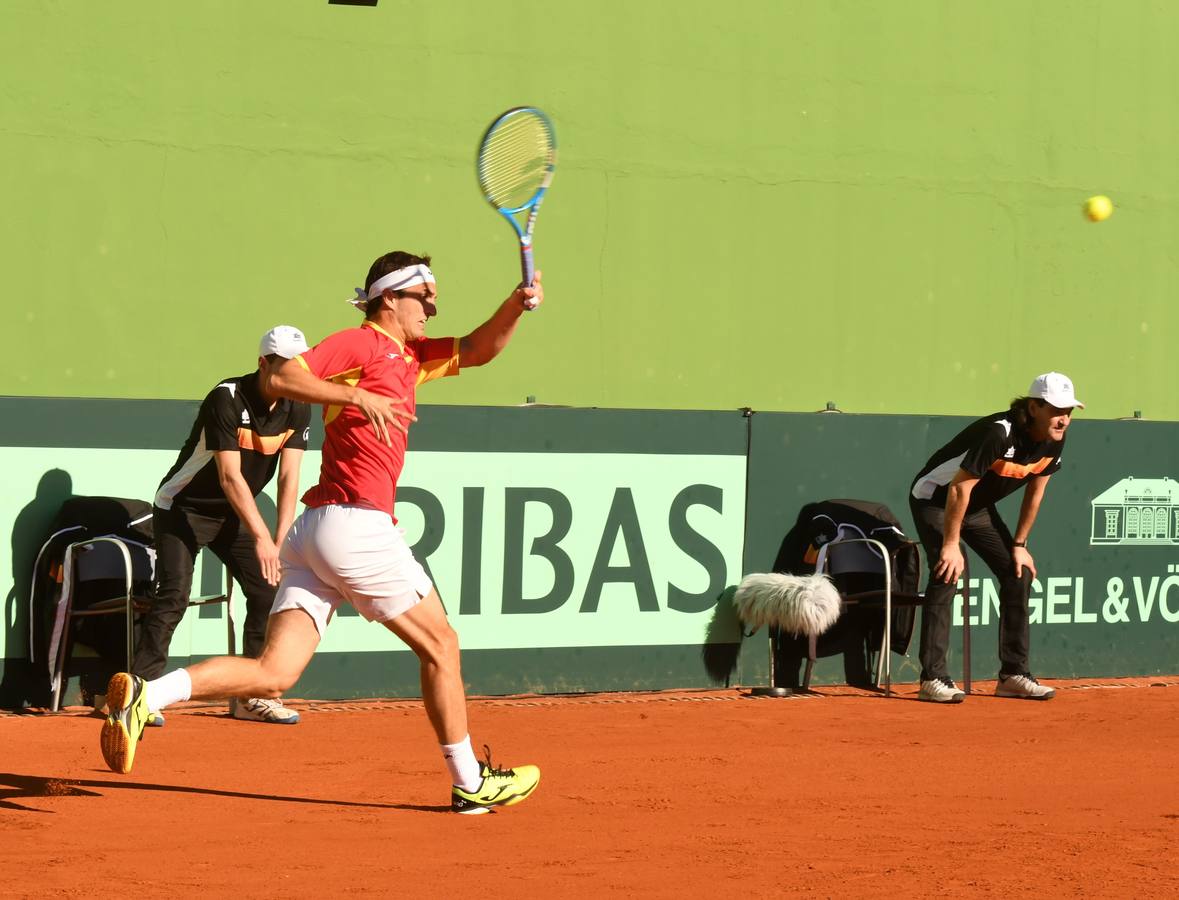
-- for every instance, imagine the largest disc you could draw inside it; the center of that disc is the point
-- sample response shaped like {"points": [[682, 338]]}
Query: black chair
{"points": [[860, 546], [99, 562]]}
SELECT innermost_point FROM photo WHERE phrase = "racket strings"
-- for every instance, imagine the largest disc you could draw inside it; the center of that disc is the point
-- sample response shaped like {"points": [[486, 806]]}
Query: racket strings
{"points": [[516, 161]]}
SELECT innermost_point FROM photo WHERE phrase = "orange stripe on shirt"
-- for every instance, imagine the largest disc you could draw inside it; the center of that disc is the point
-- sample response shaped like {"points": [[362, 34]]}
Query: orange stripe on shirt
{"points": [[1005, 469], [351, 376], [440, 366], [266, 444]]}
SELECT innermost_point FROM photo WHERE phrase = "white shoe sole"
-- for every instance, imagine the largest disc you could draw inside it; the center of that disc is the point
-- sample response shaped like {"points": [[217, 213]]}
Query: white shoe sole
{"points": [[236, 712], [956, 697]]}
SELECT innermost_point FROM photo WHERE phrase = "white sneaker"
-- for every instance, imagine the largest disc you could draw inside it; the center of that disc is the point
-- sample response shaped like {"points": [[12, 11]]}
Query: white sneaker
{"points": [[258, 709], [940, 690], [1024, 686]]}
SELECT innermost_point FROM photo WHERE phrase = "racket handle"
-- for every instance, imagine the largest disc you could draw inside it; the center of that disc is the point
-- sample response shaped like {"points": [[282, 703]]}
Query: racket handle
{"points": [[526, 266]]}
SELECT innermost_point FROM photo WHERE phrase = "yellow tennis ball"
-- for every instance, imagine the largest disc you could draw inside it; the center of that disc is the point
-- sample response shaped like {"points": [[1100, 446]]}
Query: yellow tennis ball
{"points": [[1098, 208]]}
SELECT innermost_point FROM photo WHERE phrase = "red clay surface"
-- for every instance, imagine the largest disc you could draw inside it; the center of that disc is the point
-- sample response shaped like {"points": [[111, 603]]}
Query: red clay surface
{"points": [[673, 795]]}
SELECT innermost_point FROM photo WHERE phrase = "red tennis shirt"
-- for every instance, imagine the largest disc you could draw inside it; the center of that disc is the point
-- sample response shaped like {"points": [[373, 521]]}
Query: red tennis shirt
{"points": [[357, 467]]}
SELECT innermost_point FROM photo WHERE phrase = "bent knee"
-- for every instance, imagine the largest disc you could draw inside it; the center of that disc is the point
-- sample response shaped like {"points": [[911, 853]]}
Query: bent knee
{"points": [[441, 647], [274, 681]]}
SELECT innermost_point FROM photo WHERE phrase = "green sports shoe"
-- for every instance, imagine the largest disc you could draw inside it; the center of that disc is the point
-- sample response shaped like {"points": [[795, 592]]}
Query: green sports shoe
{"points": [[500, 787], [123, 728]]}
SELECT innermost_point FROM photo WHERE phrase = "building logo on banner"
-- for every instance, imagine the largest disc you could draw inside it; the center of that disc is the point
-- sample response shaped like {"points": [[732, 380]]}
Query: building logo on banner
{"points": [[1136, 512]]}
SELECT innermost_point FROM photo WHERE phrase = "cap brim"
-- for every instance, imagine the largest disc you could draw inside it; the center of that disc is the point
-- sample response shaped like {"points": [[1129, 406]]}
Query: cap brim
{"points": [[286, 352], [1064, 403]]}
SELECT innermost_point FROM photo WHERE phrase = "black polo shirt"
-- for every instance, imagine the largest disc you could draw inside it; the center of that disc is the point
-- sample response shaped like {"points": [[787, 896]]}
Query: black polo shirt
{"points": [[1000, 455], [234, 416]]}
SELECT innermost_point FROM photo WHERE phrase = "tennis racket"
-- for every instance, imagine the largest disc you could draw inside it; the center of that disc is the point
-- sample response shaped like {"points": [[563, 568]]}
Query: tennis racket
{"points": [[515, 166]]}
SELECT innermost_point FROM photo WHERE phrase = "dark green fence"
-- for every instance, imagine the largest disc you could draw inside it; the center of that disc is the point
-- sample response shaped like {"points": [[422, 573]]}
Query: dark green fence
{"points": [[585, 550]]}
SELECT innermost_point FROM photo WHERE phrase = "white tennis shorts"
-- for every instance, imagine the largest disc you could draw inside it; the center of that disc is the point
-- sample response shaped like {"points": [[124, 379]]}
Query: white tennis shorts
{"points": [[348, 554]]}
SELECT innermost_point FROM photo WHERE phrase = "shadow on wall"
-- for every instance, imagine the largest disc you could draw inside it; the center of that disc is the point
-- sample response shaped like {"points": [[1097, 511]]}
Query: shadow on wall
{"points": [[30, 530], [722, 646]]}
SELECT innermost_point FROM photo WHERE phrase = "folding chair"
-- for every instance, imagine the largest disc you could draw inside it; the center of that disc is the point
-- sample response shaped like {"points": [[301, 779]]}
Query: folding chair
{"points": [[100, 563], [853, 553], [130, 564]]}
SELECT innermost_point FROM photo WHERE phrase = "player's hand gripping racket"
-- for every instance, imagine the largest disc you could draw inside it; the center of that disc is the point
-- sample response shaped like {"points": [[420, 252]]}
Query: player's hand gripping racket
{"points": [[516, 160]]}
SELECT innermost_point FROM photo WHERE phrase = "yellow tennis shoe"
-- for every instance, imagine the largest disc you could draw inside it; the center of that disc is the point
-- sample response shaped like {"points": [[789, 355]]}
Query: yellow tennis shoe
{"points": [[128, 714], [500, 787]]}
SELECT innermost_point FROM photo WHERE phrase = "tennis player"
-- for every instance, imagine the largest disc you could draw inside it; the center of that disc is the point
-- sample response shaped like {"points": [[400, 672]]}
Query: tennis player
{"points": [[345, 547], [953, 499]]}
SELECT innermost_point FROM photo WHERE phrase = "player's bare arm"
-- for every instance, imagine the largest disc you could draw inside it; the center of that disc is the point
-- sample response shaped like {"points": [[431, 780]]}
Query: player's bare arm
{"points": [[289, 461], [293, 380], [237, 492], [487, 341], [951, 562], [1028, 509]]}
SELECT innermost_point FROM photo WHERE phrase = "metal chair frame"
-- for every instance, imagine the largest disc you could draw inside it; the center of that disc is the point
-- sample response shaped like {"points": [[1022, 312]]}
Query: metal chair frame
{"points": [[822, 564], [126, 604]]}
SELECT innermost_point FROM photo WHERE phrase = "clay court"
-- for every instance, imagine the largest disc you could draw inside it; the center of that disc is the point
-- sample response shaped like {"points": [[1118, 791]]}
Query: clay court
{"points": [[840, 793]]}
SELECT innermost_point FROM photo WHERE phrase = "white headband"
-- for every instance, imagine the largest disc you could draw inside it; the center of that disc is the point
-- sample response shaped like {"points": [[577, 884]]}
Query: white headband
{"points": [[397, 280]]}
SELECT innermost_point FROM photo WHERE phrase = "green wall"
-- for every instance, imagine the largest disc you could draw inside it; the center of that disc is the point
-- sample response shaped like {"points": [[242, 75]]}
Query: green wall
{"points": [[590, 550], [766, 204]]}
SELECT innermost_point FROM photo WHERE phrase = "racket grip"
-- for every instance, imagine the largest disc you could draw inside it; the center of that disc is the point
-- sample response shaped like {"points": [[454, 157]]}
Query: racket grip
{"points": [[526, 266], [526, 273]]}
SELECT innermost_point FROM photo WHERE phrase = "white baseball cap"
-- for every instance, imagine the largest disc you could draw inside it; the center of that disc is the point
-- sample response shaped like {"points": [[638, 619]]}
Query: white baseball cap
{"points": [[1054, 388], [285, 340]]}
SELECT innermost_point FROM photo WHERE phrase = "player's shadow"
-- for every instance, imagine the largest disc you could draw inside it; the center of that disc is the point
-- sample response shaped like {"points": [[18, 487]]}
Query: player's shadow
{"points": [[19, 687], [15, 787]]}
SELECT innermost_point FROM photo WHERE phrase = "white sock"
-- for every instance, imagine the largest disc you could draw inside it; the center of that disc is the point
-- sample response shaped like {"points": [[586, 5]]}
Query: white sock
{"points": [[465, 771], [175, 687]]}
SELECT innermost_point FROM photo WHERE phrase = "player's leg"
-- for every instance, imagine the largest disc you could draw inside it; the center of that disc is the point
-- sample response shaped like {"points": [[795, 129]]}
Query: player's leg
{"points": [[936, 684], [363, 556], [477, 788], [302, 607], [290, 643], [987, 534], [427, 632], [301, 611], [235, 546]]}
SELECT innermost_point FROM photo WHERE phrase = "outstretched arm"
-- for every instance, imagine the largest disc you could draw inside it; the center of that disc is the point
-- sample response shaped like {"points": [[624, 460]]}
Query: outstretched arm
{"points": [[486, 342]]}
